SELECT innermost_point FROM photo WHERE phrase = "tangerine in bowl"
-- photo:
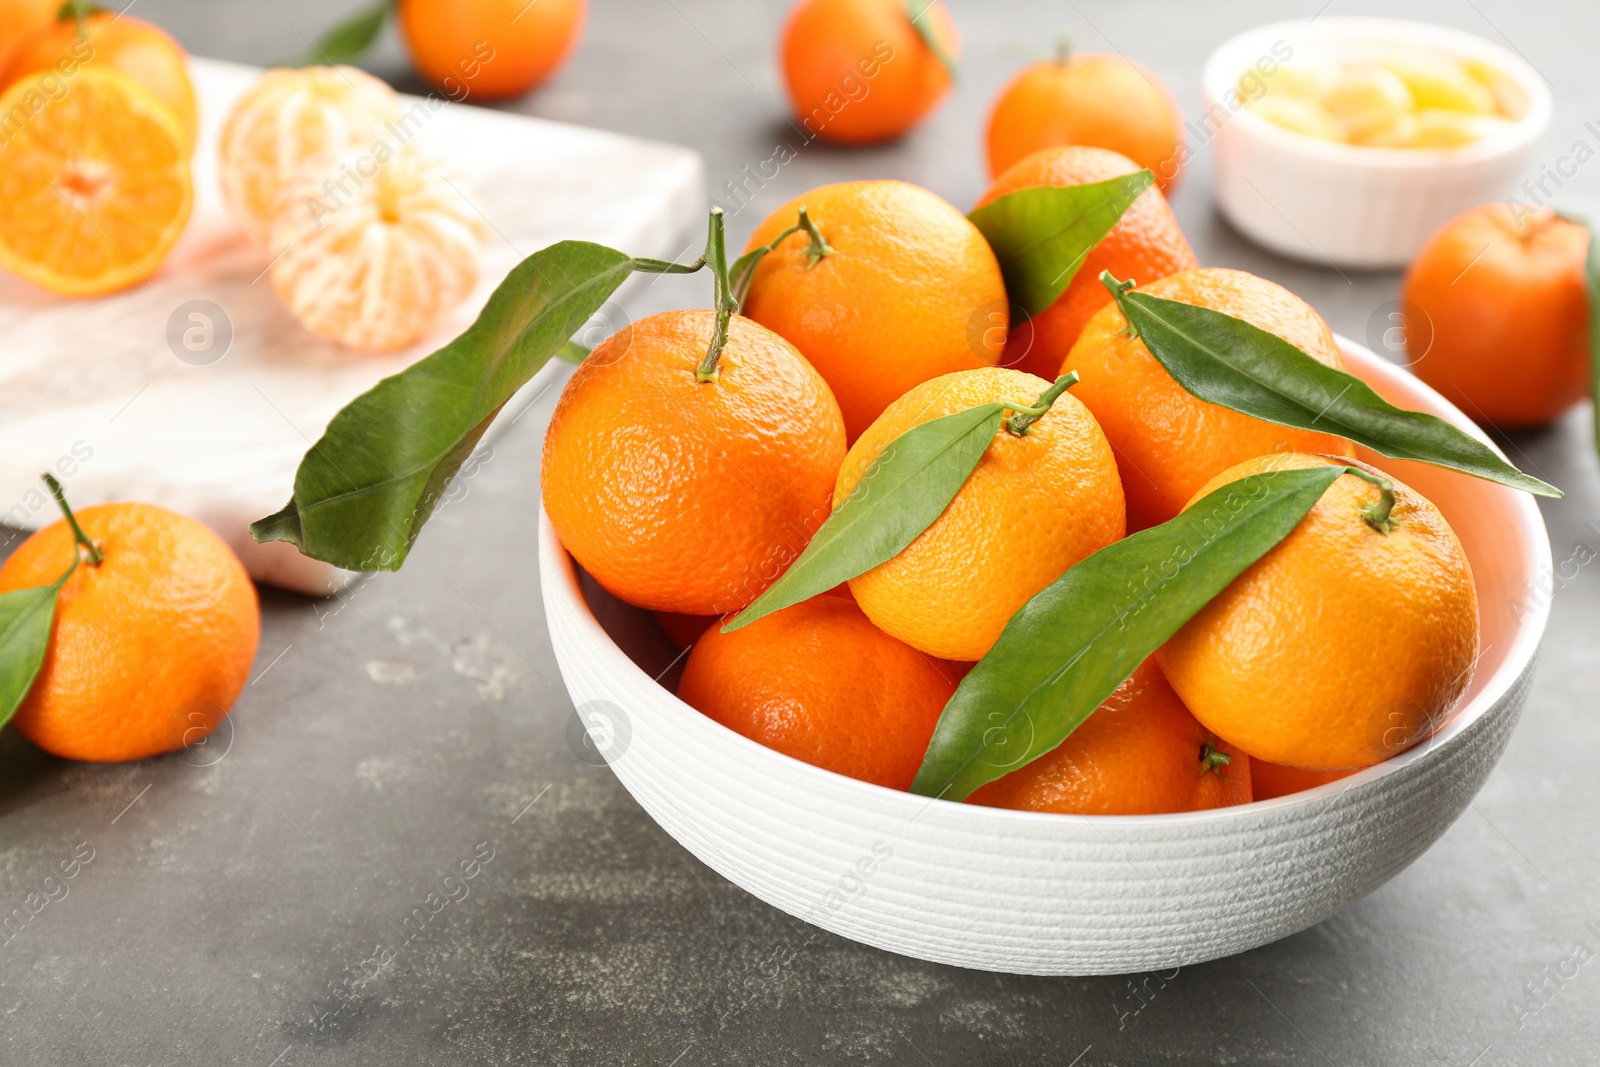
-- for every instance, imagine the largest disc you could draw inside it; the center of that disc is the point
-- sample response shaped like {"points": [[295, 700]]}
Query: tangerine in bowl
{"points": [[1028, 892]]}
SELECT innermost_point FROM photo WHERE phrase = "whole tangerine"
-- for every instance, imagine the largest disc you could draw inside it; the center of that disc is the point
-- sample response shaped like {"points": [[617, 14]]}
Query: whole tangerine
{"points": [[1270, 780], [1145, 244], [150, 646], [907, 290], [858, 71], [818, 682], [1096, 98], [1168, 441], [1347, 643], [1037, 503], [490, 49], [1503, 295], [683, 495], [1139, 753]]}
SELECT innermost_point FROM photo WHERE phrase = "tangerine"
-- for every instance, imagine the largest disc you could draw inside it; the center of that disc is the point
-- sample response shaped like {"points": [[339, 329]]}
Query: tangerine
{"points": [[683, 495], [1168, 441], [907, 290], [818, 682], [1146, 244], [1037, 503], [490, 49], [1348, 642]]}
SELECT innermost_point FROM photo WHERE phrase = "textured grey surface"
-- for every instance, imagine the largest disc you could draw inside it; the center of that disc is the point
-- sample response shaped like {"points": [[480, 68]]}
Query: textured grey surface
{"points": [[255, 904]]}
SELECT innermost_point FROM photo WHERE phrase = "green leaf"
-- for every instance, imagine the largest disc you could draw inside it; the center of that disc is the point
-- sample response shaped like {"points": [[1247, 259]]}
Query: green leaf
{"points": [[346, 42], [572, 352], [1079, 638], [917, 12], [906, 488], [1042, 234], [365, 489], [1228, 361], [25, 618]]}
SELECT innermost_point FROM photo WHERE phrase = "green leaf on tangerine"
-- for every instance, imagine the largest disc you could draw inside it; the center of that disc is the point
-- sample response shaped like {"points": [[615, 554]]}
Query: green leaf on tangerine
{"points": [[1065, 651], [25, 618], [1042, 234], [907, 486], [348, 39], [1230, 362]]}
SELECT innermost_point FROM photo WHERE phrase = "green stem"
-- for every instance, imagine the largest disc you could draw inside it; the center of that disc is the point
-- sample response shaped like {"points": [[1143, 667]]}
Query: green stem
{"points": [[1377, 513], [1064, 48], [1117, 289], [1213, 759], [1025, 417], [91, 549], [78, 11], [726, 305], [817, 247]]}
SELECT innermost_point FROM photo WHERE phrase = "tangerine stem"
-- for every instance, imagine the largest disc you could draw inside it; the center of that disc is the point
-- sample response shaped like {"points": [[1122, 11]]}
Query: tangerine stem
{"points": [[818, 245], [1064, 48], [726, 305], [95, 555], [1213, 759], [1025, 417], [1377, 514]]}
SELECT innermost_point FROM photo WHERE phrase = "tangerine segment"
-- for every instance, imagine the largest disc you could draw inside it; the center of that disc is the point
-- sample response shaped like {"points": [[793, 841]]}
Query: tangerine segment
{"points": [[1035, 505], [149, 648], [94, 182], [1139, 753], [1344, 644], [1168, 441], [818, 682]]}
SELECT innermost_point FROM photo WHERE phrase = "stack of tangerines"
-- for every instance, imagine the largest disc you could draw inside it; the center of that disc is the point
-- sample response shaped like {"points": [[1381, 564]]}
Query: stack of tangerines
{"points": [[686, 480]]}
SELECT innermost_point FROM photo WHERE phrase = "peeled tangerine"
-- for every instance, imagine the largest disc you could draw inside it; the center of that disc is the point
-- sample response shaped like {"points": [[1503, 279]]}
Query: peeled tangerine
{"points": [[375, 264], [1344, 645], [291, 122]]}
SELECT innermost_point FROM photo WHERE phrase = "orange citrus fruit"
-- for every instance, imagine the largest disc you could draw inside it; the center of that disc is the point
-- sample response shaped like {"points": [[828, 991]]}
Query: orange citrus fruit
{"points": [[294, 127], [95, 186], [683, 495], [1139, 753], [817, 681], [489, 49], [149, 647], [858, 71], [1168, 441], [1096, 98], [1343, 645], [22, 20], [1035, 505], [141, 50], [1145, 244], [910, 291], [683, 630], [1496, 310], [1269, 780], [376, 267]]}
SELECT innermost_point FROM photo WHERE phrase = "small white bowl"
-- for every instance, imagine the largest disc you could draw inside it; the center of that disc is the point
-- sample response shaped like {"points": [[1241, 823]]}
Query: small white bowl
{"points": [[1032, 893], [1346, 204]]}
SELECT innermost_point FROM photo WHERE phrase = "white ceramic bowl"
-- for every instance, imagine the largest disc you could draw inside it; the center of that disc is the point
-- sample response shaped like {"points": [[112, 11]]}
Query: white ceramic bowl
{"points": [[1351, 205], [1032, 893]]}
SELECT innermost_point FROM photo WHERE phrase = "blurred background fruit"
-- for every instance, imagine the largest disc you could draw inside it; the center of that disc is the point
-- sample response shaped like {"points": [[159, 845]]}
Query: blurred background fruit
{"points": [[1097, 99], [22, 19], [687, 496], [860, 71], [1502, 296], [1139, 753], [911, 290], [150, 646], [1342, 646], [1036, 504], [819, 682], [1169, 442], [376, 269], [1144, 245], [288, 122], [489, 49], [143, 51], [95, 186]]}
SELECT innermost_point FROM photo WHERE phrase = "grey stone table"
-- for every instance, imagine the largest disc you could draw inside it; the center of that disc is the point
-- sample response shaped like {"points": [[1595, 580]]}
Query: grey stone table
{"points": [[265, 900]]}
